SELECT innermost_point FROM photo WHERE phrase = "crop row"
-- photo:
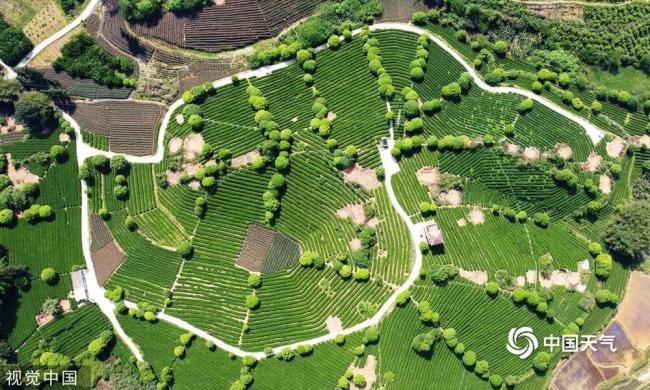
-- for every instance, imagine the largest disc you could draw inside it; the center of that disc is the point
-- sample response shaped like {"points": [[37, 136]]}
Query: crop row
{"points": [[69, 335], [148, 271], [344, 80]]}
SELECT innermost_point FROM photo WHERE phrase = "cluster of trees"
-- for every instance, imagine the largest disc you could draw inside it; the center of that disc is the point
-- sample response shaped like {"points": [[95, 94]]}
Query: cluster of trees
{"points": [[419, 64], [358, 380], [34, 110], [275, 149], [333, 19], [82, 57], [626, 232], [441, 274], [616, 46], [536, 301], [14, 45], [148, 9], [19, 198], [69, 5], [143, 311], [373, 55], [565, 177], [196, 94]]}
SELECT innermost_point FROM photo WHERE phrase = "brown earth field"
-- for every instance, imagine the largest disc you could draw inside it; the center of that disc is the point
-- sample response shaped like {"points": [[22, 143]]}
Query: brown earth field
{"points": [[256, 246], [129, 125], [106, 260], [588, 369], [226, 25]]}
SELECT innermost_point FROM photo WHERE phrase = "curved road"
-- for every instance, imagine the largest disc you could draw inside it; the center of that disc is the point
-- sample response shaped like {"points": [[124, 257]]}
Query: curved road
{"points": [[391, 167]]}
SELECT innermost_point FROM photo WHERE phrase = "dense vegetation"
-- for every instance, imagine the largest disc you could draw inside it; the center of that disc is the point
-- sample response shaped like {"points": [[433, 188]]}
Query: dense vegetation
{"points": [[82, 57], [607, 36], [146, 9], [13, 44]]}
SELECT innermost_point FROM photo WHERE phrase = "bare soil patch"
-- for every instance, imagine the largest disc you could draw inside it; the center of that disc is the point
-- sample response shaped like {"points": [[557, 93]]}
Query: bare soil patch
{"points": [[173, 177], [106, 260], [175, 145], [194, 184], [478, 277], [605, 184], [625, 355], [579, 372], [531, 153], [634, 311], [562, 11], [640, 141], [180, 119], [355, 244], [452, 198], [368, 371], [366, 178], [561, 277], [512, 149], [333, 324], [19, 176], [63, 137], [47, 21], [245, 159], [564, 151], [373, 222], [615, 147], [476, 216], [331, 116], [462, 222], [592, 163], [43, 318], [429, 177], [192, 146], [191, 168], [354, 212], [11, 126]]}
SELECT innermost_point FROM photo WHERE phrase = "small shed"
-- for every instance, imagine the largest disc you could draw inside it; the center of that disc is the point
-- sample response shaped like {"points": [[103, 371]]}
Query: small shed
{"points": [[433, 234], [79, 286]]}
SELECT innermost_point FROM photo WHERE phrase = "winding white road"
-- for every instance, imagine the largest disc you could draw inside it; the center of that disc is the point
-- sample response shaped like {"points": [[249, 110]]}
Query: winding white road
{"points": [[391, 167]]}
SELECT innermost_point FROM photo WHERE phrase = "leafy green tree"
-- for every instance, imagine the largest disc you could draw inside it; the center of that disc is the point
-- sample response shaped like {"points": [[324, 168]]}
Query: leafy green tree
{"points": [[34, 110], [49, 276], [14, 45], [626, 232]]}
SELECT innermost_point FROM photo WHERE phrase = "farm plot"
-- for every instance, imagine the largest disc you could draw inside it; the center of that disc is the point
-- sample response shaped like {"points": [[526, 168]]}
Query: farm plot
{"points": [[351, 92], [499, 244], [267, 251], [532, 187], [397, 51], [47, 78], [20, 306], [395, 252], [179, 200], [225, 26], [480, 113], [327, 363], [477, 310], [148, 271], [295, 306], [159, 227], [210, 294], [46, 22], [442, 368], [229, 121], [156, 340], [205, 369], [290, 100], [400, 10], [129, 125], [68, 335]]}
